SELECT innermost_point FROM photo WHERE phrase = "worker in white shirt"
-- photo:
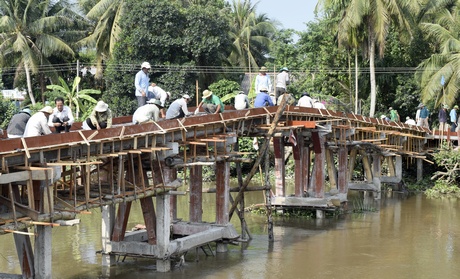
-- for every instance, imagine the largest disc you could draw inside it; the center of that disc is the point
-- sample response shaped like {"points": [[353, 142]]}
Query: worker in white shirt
{"points": [[38, 123], [158, 93], [61, 118]]}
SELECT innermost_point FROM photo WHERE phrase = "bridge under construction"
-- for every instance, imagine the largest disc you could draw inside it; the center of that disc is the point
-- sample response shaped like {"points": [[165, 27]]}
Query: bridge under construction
{"points": [[47, 181]]}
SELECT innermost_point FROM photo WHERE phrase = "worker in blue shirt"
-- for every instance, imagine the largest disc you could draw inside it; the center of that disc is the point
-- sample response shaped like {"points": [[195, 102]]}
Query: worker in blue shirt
{"points": [[263, 99]]}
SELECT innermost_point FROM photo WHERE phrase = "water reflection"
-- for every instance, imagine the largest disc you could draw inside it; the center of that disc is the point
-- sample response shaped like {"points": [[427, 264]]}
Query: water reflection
{"points": [[408, 237]]}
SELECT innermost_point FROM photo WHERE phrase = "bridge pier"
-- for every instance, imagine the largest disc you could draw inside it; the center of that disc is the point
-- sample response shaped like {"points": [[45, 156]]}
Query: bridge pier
{"points": [[222, 198], [163, 231], [196, 194], [419, 169], [318, 177], [280, 168], [377, 170], [108, 221], [342, 179], [298, 151]]}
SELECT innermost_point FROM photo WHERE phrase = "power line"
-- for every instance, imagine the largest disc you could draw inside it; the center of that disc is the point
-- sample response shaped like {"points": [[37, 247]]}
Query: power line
{"points": [[69, 67]]}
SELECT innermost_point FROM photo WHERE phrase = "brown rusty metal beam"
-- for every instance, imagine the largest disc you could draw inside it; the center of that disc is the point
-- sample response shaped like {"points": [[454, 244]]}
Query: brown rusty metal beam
{"points": [[196, 200], [150, 219], [121, 221]]}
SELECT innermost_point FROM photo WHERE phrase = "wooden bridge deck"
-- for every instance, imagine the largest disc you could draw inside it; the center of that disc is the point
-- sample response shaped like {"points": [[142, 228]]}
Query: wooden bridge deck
{"points": [[55, 177], [196, 139]]}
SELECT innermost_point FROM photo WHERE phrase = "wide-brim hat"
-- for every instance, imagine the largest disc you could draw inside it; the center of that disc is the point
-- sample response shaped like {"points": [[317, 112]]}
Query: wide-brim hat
{"points": [[155, 102], [47, 109], [101, 106], [263, 69], [264, 89], [186, 96], [284, 69], [206, 93], [145, 65], [383, 117], [27, 110], [421, 105], [456, 107]]}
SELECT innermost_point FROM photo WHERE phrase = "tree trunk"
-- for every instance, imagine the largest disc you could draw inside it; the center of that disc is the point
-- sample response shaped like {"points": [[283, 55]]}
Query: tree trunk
{"points": [[42, 87], [372, 73], [29, 84], [356, 80]]}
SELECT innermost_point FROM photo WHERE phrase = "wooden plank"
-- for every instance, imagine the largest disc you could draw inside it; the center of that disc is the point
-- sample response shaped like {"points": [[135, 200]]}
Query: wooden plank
{"points": [[72, 163], [24, 175], [305, 124], [20, 208]]}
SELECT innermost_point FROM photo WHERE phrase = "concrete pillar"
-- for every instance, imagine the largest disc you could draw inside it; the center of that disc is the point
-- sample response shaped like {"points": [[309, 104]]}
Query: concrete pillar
{"points": [[108, 221], [318, 175], [280, 168], [377, 171], [196, 194], [420, 169], [320, 214], [42, 255], [331, 169], [343, 170], [398, 167], [163, 230], [170, 174], [43, 239], [222, 197], [306, 170]]}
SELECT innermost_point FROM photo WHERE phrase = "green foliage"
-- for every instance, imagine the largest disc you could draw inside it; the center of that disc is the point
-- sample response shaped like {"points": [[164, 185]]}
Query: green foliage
{"points": [[80, 102], [446, 178], [36, 35], [442, 189], [226, 90], [7, 110], [177, 41], [1, 79], [323, 64], [419, 186]]}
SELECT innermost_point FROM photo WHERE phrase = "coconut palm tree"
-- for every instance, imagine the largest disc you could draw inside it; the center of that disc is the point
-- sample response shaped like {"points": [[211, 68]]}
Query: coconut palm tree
{"points": [[106, 31], [377, 16], [250, 34], [438, 75], [31, 33]]}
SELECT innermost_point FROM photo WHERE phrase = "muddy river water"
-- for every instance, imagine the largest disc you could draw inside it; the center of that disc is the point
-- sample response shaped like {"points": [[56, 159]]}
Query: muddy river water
{"points": [[406, 237]]}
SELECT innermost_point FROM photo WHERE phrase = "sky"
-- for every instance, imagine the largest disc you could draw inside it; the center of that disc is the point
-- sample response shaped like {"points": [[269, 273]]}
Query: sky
{"points": [[291, 14]]}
